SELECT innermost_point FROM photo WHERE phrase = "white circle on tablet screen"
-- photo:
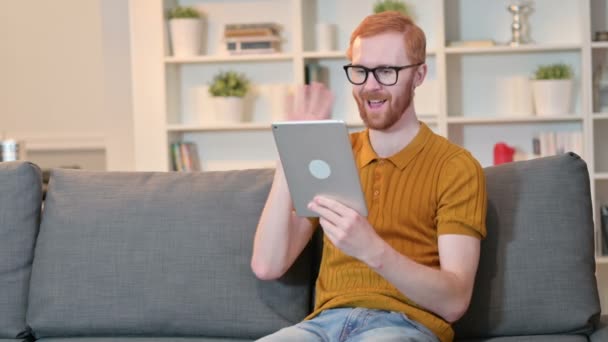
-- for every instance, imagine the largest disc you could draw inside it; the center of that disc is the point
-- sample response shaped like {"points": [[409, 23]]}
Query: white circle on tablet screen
{"points": [[319, 169]]}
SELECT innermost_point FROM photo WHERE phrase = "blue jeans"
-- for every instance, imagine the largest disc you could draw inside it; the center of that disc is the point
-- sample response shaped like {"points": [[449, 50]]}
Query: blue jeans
{"points": [[355, 325]]}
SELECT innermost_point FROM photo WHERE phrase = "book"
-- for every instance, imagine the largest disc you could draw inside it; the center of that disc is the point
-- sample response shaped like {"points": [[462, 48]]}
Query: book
{"points": [[314, 72], [552, 143], [244, 45], [195, 163], [184, 157], [249, 30], [175, 154]]}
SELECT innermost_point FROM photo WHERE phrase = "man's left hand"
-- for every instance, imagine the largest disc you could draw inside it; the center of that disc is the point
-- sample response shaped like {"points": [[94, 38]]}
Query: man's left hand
{"points": [[348, 230]]}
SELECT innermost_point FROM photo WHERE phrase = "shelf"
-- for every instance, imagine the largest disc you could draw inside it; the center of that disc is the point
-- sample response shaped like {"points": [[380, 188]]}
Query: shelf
{"points": [[338, 54], [599, 45], [601, 175], [512, 119], [61, 143], [324, 54], [600, 116], [229, 59], [511, 49]]}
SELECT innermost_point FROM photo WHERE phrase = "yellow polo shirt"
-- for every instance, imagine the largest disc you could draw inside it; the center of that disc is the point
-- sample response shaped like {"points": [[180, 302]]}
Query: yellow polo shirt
{"points": [[429, 188]]}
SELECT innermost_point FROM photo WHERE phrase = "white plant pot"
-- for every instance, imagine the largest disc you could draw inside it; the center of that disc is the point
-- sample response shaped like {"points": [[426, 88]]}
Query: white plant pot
{"points": [[517, 99], [186, 36], [552, 97], [326, 36], [203, 105], [229, 109]]}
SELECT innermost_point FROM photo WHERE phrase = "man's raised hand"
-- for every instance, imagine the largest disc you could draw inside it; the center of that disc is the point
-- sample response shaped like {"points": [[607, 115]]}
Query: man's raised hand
{"points": [[310, 102]]}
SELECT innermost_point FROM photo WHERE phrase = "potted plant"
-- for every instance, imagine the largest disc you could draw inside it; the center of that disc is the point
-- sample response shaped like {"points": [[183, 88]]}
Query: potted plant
{"points": [[552, 89], [185, 28], [392, 5], [228, 89]]}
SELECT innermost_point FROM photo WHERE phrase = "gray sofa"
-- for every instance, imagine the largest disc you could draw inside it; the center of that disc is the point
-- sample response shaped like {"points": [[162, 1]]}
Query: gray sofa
{"points": [[120, 256]]}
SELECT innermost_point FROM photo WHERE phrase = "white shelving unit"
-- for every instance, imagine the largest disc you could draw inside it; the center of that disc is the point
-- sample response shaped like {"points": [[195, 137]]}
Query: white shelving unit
{"points": [[510, 49], [464, 84], [232, 59]]}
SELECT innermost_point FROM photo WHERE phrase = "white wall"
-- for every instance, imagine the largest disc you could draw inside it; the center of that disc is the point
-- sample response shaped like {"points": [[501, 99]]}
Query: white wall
{"points": [[117, 84], [65, 78]]}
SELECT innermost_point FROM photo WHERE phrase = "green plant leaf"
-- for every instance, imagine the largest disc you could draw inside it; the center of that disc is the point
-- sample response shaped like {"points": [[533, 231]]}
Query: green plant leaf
{"points": [[181, 12], [558, 71], [229, 83], [392, 5]]}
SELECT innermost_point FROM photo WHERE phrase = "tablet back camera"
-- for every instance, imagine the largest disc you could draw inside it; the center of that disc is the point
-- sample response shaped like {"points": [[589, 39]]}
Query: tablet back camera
{"points": [[319, 169]]}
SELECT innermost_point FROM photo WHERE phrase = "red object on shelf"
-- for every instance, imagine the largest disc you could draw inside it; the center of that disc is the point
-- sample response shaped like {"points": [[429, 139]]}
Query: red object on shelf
{"points": [[503, 153]]}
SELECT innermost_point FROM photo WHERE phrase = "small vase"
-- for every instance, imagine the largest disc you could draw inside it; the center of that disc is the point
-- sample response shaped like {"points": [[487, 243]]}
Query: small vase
{"points": [[186, 36], [326, 36], [552, 97], [229, 109], [517, 96]]}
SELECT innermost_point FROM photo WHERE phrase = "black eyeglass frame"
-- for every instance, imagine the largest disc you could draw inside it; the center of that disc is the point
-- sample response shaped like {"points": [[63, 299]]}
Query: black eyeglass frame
{"points": [[373, 71]]}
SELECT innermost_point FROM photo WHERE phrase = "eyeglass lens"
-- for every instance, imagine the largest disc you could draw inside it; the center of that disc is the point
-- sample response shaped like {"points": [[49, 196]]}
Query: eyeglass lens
{"points": [[386, 76]]}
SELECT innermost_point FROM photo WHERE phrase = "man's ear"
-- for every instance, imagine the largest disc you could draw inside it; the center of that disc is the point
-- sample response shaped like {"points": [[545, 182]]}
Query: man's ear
{"points": [[420, 75]]}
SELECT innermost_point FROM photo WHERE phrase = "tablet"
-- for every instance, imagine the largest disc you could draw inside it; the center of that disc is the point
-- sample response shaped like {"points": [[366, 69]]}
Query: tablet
{"points": [[317, 159]]}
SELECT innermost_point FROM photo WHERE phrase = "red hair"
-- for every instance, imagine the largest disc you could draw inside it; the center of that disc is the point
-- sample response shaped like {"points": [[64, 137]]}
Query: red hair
{"points": [[392, 21]]}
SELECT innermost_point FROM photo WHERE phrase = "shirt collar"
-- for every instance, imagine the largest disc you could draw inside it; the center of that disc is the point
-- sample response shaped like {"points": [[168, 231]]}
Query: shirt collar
{"points": [[366, 153]]}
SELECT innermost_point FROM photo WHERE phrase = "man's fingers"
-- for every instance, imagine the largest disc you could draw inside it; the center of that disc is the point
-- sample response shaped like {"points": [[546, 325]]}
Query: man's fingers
{"points": [[313, 101], [289, 106], [299, 101], [325, 105], [316, 95], [319, 92], [331, 204], [330, 229], [325, 212]]}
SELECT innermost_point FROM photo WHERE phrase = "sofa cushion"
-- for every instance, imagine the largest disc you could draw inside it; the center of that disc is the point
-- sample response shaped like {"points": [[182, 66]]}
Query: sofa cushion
{"points": [[537, 268], [20, 201], [158, 254]]}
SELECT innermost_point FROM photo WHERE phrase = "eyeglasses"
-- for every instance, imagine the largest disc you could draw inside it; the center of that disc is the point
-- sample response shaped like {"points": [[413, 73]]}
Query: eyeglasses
{"points": [[385, 75]]}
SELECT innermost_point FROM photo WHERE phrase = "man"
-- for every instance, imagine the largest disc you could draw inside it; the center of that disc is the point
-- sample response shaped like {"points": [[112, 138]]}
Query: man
{"points": [[405, 272]]}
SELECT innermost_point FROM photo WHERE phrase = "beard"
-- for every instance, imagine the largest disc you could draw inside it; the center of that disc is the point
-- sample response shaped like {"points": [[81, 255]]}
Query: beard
{"points": [[394, 111]]}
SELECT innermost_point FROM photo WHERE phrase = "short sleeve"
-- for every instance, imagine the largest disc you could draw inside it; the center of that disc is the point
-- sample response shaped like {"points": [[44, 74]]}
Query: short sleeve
{"points": [[462, 197]]}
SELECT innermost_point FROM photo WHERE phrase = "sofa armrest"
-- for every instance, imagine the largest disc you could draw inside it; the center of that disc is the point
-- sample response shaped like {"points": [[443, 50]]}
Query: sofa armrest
{"points": [[601, 333]]}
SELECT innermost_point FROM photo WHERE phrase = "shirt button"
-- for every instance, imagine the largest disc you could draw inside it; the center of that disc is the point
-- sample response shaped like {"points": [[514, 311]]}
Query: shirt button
{"points": [[378, 176], [381, 162], [376, 193]]}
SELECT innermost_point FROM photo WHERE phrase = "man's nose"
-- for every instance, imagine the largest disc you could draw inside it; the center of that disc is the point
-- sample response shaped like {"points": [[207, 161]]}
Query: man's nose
{"points": [[371, 83]]}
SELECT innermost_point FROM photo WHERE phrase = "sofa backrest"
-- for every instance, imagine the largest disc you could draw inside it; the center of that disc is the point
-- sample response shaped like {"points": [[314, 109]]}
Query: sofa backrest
{"points": [[158, 254], [537, 268], [20, 201]]}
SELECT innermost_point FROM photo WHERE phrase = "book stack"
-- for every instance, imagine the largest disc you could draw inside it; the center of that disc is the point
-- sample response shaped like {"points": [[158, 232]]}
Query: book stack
{"points": [[314, 72], [552, 143], [184, 157], [252, 38]]}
